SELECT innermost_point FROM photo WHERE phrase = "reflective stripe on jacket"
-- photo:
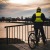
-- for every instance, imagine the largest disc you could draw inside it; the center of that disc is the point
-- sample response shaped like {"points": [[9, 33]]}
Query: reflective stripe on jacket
{"points": [[38, 17]]}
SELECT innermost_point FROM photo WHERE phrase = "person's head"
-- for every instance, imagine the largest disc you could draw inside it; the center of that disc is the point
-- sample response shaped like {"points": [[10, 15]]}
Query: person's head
{"points": [[38, 9]]}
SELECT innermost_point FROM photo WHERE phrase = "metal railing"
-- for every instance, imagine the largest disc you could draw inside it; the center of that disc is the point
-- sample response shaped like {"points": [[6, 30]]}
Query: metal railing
{"points": [[20, 32]]}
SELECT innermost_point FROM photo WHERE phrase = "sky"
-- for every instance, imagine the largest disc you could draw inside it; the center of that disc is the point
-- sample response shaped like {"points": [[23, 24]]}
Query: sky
{"points": [[25, 8]]}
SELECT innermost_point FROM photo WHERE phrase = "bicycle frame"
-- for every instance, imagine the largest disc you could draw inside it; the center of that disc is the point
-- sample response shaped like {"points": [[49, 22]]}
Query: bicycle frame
{"points": [[33, 38], [39, 34]]}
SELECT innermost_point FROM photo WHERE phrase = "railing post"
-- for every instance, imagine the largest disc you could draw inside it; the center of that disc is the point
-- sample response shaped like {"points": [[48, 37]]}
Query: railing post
{"points": [[19, 32], [22, 32], [14, 34], [25, 32], [7, 34]]}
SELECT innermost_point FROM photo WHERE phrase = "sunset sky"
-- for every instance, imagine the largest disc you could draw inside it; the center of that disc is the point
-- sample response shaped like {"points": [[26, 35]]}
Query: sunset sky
{"points": [[26, 8]]}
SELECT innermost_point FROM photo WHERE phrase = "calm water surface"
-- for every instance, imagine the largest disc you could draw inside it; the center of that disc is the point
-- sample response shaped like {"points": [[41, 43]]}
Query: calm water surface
{"points": [[3, 30]]}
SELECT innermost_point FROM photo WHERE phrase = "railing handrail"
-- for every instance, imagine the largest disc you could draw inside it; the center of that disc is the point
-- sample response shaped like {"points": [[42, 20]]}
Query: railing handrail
{"points": [[18, 25], [14, 25], [22, 24]]}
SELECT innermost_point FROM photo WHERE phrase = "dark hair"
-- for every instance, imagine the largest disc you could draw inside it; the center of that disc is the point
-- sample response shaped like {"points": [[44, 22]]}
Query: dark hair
{"points": [[38, 9]]}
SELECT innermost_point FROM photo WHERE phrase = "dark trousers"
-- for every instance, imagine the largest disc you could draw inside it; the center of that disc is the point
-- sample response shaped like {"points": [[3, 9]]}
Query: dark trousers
{"points": [[42, 33]]}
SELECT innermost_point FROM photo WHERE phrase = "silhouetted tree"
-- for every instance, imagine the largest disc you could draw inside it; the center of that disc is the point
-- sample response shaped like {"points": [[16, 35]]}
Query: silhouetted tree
{"points": [[3, 18]]}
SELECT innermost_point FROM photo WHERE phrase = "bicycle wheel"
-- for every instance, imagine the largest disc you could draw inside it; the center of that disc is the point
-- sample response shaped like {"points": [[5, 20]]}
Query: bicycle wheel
{"points": [[32, 41]]}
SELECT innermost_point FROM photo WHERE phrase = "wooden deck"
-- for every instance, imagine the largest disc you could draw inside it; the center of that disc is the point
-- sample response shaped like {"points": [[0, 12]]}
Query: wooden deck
{"points": [[24, 46]]}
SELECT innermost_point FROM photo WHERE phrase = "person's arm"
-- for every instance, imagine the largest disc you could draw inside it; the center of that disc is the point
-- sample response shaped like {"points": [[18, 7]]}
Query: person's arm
{"points": [[33, 18], [43, 17]]}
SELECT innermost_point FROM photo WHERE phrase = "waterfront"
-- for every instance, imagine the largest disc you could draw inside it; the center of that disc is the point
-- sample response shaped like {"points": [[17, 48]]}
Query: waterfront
{"points": [[23, 32], [3, 29]]}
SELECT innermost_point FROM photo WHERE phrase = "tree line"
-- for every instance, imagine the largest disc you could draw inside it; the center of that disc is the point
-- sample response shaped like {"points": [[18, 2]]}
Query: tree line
{"points": [[9, 19]]}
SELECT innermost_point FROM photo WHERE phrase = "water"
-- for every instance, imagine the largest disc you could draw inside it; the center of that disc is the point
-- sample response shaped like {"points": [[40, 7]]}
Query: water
{"points": [[3, 29]]}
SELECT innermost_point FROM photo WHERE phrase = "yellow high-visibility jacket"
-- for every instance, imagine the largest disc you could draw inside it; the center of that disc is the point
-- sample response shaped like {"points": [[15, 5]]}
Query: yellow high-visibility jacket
{"points": [[38, 17]]}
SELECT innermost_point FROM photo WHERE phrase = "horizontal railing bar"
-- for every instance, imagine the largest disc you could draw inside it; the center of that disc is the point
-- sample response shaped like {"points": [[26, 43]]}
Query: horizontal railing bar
{"points": [[17, 25], [25, 24]]}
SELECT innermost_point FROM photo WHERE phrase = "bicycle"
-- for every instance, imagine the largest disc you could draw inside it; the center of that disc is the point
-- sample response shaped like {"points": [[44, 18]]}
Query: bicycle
{"points": [[32, 39]]}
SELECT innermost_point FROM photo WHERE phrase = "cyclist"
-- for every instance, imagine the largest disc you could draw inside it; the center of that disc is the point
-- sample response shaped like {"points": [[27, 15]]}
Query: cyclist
{"points": [[38, 19]]}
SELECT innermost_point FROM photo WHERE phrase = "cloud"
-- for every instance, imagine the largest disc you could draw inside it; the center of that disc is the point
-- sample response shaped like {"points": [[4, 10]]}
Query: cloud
{"points": [[49, 11], [2, 6], [14, 10], [22, 7], [25, 13]]}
